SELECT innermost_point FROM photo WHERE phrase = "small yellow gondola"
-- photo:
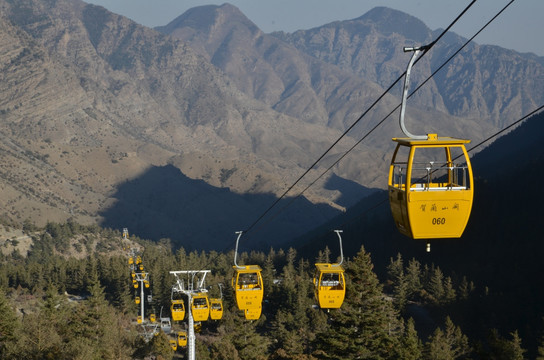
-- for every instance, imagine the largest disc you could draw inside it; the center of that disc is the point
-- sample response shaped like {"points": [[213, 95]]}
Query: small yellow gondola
{"points": [[152, 318], [174, 344], [329, 282], [248, 286], [216, 309], [137, 299], [177, 308], [200, 307], [329, 285], [182, 338]]}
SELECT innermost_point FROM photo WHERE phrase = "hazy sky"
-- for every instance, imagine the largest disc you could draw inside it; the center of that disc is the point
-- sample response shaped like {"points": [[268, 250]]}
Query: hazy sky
{"points": [[520, 27]]}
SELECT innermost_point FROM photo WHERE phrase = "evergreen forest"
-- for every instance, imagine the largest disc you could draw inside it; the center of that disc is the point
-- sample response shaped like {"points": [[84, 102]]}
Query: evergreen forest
{"points": [[71, 297]]}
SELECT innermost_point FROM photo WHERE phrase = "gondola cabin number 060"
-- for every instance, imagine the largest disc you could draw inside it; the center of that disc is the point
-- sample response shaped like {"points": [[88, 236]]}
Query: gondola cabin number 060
{"points": [[431, 187]]}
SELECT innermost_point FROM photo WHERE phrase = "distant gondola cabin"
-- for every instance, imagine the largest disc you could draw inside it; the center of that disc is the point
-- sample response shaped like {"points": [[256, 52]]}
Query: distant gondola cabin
{"points": [[247, 282], [216, 309], [177, 308], [329, 285], [182, 338], [200, 307]]}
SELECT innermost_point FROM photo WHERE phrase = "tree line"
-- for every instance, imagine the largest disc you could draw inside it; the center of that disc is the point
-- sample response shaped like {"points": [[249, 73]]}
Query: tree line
{"points": [[71, 297]]}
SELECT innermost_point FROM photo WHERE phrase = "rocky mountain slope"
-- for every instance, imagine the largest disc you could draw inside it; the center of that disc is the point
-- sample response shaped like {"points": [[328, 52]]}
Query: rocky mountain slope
{"points": [[484, 86], [185, 134]]}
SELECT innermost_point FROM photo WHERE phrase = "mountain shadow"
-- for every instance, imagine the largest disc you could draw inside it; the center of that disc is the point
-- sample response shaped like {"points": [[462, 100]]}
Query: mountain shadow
{"points": [[501, 250], [351, 191], [164, 203]]}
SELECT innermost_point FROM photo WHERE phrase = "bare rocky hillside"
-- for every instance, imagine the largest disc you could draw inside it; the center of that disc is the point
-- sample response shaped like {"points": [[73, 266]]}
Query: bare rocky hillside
{"points": [[190, 132]]}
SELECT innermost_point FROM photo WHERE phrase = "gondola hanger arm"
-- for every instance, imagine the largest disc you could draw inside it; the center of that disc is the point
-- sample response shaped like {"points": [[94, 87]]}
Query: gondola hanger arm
{"points": [[416, 51], [341, 251], [236, 250]]}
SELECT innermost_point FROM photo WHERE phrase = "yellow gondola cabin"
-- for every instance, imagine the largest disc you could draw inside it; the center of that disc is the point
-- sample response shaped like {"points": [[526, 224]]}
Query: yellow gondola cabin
{"points": [[177, 309], [182, 338], [200, 307], [247, 283], [431, 187], [430, 180], [216, 309], [248, 286], [329, 285], [329, 281]]}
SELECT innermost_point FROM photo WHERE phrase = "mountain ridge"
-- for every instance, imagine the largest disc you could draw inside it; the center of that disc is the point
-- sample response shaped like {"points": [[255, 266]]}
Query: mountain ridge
{"points": [[92, 101]]}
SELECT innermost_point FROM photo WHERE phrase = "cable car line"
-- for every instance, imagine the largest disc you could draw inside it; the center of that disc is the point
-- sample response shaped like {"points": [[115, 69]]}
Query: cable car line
{"points": [[380, 203], [461, 48], [537, 110], [508, 127], [424, 49]]}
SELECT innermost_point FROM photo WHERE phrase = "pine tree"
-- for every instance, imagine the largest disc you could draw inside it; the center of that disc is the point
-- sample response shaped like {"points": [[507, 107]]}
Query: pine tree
{"points": [[395, 272], [39, 337], [247, 341], [291, 327], [8, 324], [437, 347], [458, 342], [410, 345], [413, 279], [435, 287], [449, 291], [503, 349], [93, 326], [448, 344], [514, 349], [366, 326], [268, 274], [463, 289], [160, 347]]}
